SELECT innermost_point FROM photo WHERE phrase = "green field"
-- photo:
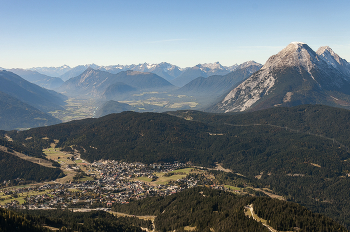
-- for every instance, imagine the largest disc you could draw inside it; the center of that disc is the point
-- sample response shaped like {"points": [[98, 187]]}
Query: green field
{"points": [[233, 188], [183, 170], [4, 199], [166, 179], [163, 180], [144, 179]]}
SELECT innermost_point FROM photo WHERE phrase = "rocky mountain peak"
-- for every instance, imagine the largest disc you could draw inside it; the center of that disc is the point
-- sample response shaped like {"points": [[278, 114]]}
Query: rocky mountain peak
{"points": [[295, 54], [334, 60], [324, 49], [296, 72], [329, 56], [248, 64], [87, 74]]}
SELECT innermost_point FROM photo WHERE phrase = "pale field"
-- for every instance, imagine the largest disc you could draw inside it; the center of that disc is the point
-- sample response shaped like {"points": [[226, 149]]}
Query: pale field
{"points": [[163, 180], [182, 104], [166, 179], [147, 217], [190, 228], [184, 170]]}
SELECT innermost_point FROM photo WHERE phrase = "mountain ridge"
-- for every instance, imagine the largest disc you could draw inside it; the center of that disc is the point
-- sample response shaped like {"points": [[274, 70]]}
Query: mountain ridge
{"points": [[37, 78], [166, 70], [34, 95], [15, 114], [204, 70], [218, 84]]}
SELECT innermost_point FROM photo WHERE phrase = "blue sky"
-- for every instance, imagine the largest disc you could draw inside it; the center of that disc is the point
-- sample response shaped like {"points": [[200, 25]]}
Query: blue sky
{"points": [[184, 33]]}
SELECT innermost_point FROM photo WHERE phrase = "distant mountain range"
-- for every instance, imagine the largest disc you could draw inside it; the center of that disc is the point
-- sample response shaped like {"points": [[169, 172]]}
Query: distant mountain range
{"points": [[76, 71], [296, 75], [219, 84], [167, 71], [37, 78], [34, 95], [201, 70], [26, 105], [95, 82], [15, 114], [52, 71], [124, 85]]}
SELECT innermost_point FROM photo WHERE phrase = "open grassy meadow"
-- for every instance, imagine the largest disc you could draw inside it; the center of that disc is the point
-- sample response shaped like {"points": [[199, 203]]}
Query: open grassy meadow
{"points": [[183, 170], [166, 179], [233, 188], [67, 162], [4, 199]]}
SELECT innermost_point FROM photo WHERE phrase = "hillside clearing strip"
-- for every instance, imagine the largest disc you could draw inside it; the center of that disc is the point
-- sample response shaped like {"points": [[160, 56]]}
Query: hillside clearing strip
{"points": [[249, 211], [145, 217], [32, 159]]}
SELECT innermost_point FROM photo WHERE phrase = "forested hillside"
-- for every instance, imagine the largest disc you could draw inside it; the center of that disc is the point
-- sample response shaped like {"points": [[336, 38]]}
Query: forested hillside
{"points": [[322, 120], [150, 137], [13, 167], [196, 209], [64, 220], [205, 209], [308, 168], [15, 114], [40, 98]]}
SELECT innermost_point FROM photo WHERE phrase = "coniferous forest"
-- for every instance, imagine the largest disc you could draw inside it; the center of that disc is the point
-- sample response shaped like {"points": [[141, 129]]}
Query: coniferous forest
{"points": [[295, 151], [208, 209], [64, 220]]}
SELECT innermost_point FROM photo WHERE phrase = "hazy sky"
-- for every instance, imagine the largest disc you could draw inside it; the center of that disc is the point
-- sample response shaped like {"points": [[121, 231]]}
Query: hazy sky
{"points": [[185, 33]]}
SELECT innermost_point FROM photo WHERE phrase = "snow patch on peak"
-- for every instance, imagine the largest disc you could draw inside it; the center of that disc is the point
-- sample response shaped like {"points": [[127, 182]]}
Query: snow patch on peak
{"points": [[151, 66], [215, 65], [298, 43], [248, 63]]}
